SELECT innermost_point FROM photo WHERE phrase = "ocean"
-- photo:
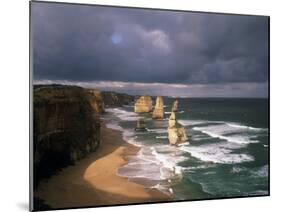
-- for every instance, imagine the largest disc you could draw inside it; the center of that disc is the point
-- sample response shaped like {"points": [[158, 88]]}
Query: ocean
{"points": [[226, 154]]}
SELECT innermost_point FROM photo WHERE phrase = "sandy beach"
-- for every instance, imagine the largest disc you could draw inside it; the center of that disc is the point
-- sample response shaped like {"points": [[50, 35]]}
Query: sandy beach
{"points": [[93, 181]]}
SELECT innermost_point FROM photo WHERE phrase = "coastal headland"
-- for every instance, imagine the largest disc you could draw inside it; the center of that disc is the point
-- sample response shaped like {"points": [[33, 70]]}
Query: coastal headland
{"points": [[93, 181], [76, 157]]}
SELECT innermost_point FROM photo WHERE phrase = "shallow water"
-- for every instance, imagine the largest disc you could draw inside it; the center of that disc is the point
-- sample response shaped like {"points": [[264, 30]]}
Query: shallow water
{"points": [[227, 153]]}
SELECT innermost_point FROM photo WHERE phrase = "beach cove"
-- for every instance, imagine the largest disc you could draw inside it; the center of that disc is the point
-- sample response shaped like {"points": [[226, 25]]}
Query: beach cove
{"points": [[94, 181]]}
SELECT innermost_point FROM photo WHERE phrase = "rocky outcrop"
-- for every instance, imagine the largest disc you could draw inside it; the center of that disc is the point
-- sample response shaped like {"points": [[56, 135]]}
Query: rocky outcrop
{"points": [[65, 127], [143, 104], [176, 132], [141, 125], [96, 101], [113, 99], [175, 106], [158, 112]]}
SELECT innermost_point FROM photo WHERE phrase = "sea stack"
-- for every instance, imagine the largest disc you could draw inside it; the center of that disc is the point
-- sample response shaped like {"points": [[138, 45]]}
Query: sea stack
{"points": [[176, 132], [158, 112], [143, 104], [175, 106], [140, 125]]}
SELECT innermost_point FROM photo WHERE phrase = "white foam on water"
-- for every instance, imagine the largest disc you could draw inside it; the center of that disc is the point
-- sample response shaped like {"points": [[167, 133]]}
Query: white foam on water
{"points": [[217, 153], [264, 145], [114, 126], [237, 169], [182, 111], [156, 163], [162, 137], [258, 192], [233, 125], [123, 114], [157, 130], [191, 122], [244, 127], [190, 168], [227, 132], [130, 137], [260, 172]]}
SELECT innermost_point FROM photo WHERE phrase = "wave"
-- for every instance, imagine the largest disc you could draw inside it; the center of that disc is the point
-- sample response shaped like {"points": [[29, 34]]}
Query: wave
{"points": [[217, 153], [192, 122], [260, 172], [156, 163], [128, 135], [162, 137], [226, 131], [157, 130], [245, 127], [182, 111], [123, 114], [230, 124], [114, 126]]}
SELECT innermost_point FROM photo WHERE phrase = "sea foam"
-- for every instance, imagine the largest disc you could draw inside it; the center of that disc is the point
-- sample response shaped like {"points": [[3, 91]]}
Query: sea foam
{"points": [[221, 152], [123, 114]]}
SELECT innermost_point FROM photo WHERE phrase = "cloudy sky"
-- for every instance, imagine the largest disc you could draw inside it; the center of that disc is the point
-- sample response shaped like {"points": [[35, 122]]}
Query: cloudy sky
{"points": [[150, 51]]}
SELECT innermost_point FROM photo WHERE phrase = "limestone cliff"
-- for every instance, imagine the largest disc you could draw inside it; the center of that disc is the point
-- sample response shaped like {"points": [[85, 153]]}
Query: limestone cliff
{"points": [[175, 106], [112, 99], [66, 124], [158, 112], [65, 127], [96, 101], [143, 104], [176, 132]]}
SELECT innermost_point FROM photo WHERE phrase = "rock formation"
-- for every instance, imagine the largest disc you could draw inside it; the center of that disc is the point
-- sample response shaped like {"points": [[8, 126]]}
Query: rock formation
{"points": [[113, 99], [140, 125], [143, 104], [96, 101], [158, 112], [175, 106], [65, 127], [176, 132], [66, 124]]}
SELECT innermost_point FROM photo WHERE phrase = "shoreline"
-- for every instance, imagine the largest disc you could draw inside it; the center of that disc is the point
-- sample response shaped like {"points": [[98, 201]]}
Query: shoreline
{"points": [[94, 181]]}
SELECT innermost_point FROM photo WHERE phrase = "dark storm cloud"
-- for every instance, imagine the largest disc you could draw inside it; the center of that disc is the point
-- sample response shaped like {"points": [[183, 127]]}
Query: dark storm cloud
{"points": [[84, 43]]}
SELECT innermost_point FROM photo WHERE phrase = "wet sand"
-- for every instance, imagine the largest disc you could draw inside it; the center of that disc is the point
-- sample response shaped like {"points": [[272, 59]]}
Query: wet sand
{"points": [[93, 181]]}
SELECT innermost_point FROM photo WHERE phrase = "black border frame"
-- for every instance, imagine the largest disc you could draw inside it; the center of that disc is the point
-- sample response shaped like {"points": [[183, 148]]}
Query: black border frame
{"points": [[31, 197]]}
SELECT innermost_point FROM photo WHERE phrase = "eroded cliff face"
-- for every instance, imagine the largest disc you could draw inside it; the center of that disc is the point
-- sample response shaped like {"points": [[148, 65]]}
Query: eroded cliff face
{"points": [[66, 127], [112, 99], [158, 112], [96, 101], [143, 104], [66, 124]]}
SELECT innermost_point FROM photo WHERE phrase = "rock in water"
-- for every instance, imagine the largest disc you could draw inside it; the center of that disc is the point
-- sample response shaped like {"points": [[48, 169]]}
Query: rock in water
{"points": [[172, 120], [143, 104], [158, 112], [140, 125], [176, 132], [175, 106]]}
